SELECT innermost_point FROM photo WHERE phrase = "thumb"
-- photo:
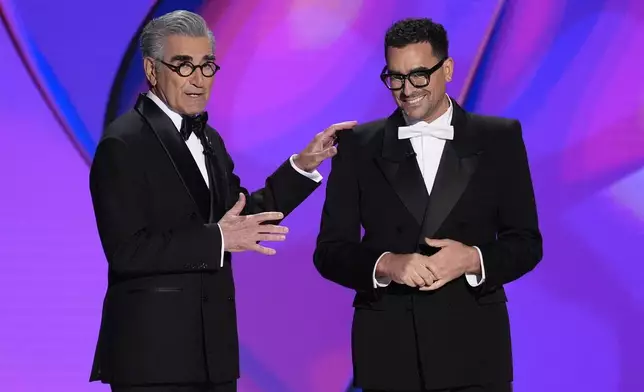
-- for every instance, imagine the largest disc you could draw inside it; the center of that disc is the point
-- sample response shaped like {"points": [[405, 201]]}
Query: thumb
{"points": [[436, 243], [331, 151], [239, 206], [326, 153]]}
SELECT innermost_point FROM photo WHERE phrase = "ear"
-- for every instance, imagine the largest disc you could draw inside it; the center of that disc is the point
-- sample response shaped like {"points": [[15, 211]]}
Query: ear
{"points": [[448, 69], [150, 69]]}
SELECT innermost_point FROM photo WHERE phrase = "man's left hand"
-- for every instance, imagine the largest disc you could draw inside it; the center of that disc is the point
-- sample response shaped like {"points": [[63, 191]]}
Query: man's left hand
{"points": [[452, 261], [321, 147]]}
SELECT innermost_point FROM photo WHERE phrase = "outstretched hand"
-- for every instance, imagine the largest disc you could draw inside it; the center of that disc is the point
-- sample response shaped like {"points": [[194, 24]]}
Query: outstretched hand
{"points": [[321, 147], [244, 232]]}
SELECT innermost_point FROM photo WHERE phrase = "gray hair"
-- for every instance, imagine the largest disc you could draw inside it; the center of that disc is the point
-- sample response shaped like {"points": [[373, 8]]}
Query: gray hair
{"points": [[184, 23]]}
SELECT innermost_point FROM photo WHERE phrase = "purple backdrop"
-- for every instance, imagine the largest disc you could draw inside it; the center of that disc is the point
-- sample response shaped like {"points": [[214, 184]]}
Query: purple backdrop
{"points": [[569, 70]]}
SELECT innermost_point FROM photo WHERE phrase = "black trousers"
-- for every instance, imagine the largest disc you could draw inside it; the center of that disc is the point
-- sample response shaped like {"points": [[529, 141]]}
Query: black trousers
{"points": [[505, 387], [227, 387]]}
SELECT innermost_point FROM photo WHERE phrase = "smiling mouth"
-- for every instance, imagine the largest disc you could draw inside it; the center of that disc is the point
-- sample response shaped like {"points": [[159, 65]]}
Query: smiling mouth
{"points": [[413, 101], [194, 95]]}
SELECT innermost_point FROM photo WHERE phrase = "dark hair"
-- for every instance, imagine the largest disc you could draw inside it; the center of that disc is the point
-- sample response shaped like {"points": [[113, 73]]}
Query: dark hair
{"points": [[417, 30]]}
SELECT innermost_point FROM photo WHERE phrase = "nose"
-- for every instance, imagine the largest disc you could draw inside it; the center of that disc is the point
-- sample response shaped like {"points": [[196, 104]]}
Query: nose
{"points": [[196, 79], [408, 88]]}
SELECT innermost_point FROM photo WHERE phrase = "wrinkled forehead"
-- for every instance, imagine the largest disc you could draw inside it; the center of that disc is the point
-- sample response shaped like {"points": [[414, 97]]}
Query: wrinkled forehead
{"points": [[184, 48], [410, 57]]}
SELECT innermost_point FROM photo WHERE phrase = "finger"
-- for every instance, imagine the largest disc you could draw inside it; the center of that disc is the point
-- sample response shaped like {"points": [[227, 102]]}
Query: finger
{"points": [[418, 280], [271, 237], [434, 286], [238, 207], [409, 281], [328, 143], [267, 216], [263, 250], [273, 229], [437, 243], [324, 154], [427, 275], [331, 131], [331, 151], [432, 265]]}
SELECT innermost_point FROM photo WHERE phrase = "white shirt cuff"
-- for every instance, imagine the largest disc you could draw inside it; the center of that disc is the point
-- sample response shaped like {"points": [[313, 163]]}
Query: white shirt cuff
{"points": [[475, 280], [379, 282], [315, 175], [221, 260]]}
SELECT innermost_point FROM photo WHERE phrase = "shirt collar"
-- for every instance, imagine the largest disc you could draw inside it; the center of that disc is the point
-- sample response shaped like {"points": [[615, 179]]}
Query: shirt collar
{"points": [[174, 116]]}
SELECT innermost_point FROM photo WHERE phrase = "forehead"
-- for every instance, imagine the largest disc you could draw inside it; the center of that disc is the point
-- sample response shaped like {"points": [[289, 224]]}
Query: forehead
{"points": [[195, 47], [410, 57]]}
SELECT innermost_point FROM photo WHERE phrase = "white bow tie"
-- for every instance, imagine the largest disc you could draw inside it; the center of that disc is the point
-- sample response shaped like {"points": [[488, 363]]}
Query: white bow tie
{"points": [[421, 128]]}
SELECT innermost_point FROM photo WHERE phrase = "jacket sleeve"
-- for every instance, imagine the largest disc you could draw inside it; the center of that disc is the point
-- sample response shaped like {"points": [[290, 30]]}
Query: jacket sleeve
{"points": [[339, 255], [283, 191], [518, 246]]}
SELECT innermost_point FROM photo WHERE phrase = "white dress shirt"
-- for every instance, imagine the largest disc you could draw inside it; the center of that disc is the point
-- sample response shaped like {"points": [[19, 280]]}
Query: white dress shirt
{"points": [[196, 149], [429, 150]]}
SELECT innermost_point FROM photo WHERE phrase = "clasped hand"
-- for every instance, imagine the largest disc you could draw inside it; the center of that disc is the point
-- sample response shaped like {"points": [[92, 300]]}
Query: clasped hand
{"points": [[430, 272], [243, 232]]}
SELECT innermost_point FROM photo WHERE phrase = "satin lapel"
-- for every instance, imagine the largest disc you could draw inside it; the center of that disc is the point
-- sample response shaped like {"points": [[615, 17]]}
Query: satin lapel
{"points": [[399, 166], [458, 163], [178, 153], [220, 199]]}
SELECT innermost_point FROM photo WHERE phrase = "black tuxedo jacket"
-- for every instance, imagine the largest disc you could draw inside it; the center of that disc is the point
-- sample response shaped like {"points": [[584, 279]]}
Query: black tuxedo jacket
{"points": [[169, 311], [402, 338]]}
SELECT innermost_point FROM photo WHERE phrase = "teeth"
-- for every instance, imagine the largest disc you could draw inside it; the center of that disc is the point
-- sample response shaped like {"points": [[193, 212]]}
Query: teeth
{"points": [[415, 100]]}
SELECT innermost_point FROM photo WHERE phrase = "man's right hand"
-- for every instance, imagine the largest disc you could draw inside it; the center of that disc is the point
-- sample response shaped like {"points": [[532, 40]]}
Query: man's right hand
{"points": [[409, 269], [243, 232]]}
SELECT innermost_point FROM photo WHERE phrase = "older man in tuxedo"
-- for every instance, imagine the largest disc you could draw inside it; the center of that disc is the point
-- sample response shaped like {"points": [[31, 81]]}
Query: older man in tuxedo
{"points": [[170, 211]]}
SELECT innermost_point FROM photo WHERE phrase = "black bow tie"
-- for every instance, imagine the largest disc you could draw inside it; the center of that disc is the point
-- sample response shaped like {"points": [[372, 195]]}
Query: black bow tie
{"points": [[196, 124]]}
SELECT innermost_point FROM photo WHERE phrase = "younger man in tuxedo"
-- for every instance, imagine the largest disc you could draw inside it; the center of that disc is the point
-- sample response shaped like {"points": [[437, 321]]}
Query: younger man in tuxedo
{"points": [[446, 202]]}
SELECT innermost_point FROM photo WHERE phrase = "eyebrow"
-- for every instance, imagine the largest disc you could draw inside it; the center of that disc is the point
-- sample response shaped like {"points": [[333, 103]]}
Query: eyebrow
{"points": [[417, 69], [183, 57]]}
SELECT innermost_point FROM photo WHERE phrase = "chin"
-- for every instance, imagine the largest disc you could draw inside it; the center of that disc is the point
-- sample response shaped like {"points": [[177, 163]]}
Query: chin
{"points": [[416, 113], [192, 109]]}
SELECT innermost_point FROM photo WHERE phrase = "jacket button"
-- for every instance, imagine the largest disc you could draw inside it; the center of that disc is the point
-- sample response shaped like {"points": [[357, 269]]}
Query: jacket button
{"points": [[193, 216], [204, 298]]}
